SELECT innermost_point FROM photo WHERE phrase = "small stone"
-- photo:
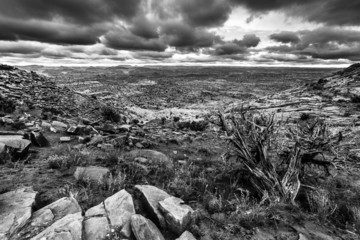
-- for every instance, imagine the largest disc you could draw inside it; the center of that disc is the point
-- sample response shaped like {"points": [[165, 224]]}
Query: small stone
{"points": [[141, 160], [65, 139], [125, 128], [60, 126], [139, 145], [155, 157]]}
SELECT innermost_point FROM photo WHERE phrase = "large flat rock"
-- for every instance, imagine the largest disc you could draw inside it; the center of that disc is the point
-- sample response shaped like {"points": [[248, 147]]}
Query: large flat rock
{"points": [[67, 228], [15, 210], [116, 210], [57, 209]]}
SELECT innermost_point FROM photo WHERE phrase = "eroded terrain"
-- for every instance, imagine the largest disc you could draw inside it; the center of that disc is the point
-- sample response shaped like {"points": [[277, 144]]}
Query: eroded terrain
{"points": [[111, 148]]}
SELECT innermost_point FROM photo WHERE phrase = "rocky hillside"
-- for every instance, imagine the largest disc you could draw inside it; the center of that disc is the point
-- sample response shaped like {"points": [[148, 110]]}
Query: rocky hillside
{"points": [[71, 170], [30, 90]]}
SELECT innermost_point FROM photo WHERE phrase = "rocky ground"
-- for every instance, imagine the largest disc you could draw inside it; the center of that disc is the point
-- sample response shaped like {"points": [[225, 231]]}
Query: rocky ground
{"points": [[75, 166]]}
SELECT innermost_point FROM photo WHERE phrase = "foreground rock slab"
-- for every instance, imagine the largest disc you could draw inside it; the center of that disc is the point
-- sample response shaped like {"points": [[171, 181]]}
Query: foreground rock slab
{"points": [[145, 229], [151, 196], [91, 173], [177, 214], [15, 210], [16, 142], [186, 236], [114, 213], [47, 215], [67, 228], [55, 211]]}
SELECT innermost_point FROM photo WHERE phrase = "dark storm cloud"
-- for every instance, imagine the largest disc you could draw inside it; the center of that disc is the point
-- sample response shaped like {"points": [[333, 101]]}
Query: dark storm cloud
{"points": [[144, 27], [147, 55], [78, 11], [11, 48], [285, 37], [324, 43], [178, 34], [236, 46], [331, 12], [123, 39], [267, 5], [63, 21], [49, 32], [249, 40], [205, 12]]}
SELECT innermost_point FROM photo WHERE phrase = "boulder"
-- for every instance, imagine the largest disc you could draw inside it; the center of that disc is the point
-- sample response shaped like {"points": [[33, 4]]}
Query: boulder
{"points": [[96, 228], [151, 196], [120, 208], [186, 236], [145, 229], [176, 213], [67, 228], [55, 211], [16, 142], [93, 173], [116, 210], [38, 139], [15, 210], [152, 156]]}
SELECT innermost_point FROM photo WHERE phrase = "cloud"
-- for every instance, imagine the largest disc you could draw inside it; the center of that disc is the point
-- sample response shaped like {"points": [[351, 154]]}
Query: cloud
{"points": [[144, 27], [207, 13], [321, 43], [236, 46], [267, 5], [51, 32], [79, 11], [330, 12], [181, 35], [285, 37], [123, 39]]}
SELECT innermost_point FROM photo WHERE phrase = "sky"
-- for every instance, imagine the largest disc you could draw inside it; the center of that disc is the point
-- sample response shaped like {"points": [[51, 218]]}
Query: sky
{"points": [[315, 33]]}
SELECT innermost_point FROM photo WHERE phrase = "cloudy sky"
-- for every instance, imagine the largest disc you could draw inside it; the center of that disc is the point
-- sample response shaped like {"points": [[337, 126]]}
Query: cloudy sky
{"points": [[203, 32]]}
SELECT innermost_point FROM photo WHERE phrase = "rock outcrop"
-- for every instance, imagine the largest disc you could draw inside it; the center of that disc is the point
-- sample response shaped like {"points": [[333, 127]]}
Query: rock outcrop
{"points": [[145, 229], [15, 211], [151, 196]]}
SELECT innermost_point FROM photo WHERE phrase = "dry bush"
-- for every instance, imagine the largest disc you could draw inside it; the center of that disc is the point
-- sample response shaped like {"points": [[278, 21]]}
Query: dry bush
{"points": [[65, 158], [274, 154], [252, 139], [90, 193]]}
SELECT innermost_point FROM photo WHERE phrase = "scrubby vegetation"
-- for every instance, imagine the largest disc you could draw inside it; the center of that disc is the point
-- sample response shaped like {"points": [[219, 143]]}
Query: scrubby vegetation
{"points": [[110, 114], [7, 105]]}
